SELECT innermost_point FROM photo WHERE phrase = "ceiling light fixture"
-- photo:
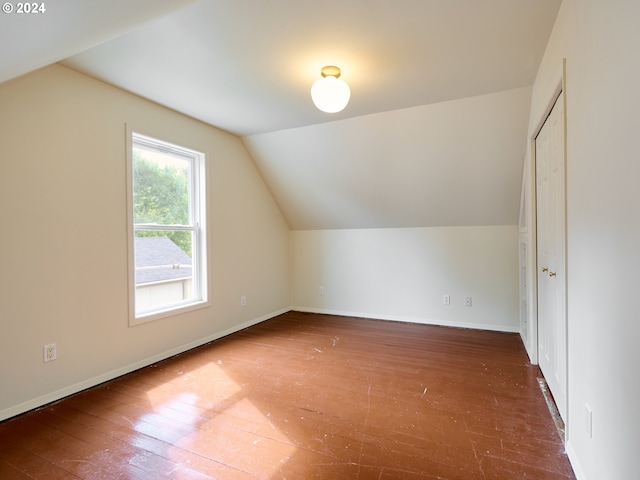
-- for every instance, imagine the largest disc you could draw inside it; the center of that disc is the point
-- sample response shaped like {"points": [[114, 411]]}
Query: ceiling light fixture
{"points": [[330, 94]]}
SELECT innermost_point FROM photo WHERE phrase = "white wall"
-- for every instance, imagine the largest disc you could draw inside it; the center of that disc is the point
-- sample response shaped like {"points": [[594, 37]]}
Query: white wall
{"points": [[600, 43], [402, 274], [63, 255], [446, 164]]}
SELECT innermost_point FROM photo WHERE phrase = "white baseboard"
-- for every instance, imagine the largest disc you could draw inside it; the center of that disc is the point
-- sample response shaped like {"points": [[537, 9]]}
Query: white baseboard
{"points": [[92, 382], [575, 463], [425, 321], [533, 358]]}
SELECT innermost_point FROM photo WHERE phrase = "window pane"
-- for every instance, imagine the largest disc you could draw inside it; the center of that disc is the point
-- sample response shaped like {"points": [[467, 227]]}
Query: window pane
{"points": [[161, 188], [163, 269], [167, 228]]}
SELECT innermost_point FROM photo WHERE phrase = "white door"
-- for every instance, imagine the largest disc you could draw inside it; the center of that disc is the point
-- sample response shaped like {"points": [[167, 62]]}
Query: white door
{"points": [[551, 273]]}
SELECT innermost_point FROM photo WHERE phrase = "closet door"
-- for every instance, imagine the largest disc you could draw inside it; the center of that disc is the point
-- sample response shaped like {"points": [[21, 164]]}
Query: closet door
{"points": [[551, 273]]}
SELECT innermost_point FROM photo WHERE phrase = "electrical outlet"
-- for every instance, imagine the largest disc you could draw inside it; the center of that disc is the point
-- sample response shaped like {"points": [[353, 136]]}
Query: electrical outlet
{"points": [[446, 299], [321, 290], [243, 301], [50, 352], [467, 301]]}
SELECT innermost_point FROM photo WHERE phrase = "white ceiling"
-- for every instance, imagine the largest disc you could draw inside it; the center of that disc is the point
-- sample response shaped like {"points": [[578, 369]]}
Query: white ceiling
{"points": [[246, 66], [67, 27]]}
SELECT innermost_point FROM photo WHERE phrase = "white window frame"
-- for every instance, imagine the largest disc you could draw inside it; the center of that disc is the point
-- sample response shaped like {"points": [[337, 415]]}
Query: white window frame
{"points": [[197, 225]]}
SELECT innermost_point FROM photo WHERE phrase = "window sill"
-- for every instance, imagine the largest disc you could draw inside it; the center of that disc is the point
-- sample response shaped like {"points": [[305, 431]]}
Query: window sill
{"points": [[169, 312]]}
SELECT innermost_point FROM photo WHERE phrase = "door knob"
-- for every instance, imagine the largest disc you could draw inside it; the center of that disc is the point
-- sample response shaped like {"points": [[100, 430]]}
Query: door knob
{"points": [[552, 274], [545, 269]]}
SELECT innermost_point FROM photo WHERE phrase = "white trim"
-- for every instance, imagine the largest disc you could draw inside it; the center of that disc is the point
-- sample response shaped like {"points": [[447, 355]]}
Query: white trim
{"points": [[523, 290], [557, 86], [170, 310], [523, 220], [131, 275], [97, 380], [574, 460], [420, 320], [197, 225]]}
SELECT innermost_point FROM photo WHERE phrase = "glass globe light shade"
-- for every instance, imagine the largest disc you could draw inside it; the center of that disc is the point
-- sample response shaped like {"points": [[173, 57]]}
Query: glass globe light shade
{"points": [[330, 94]]}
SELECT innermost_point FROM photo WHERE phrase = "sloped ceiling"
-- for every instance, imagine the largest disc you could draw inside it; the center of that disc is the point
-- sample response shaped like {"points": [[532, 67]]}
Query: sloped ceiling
{"points": [[447, 164], [412, 148], [66, 27]]}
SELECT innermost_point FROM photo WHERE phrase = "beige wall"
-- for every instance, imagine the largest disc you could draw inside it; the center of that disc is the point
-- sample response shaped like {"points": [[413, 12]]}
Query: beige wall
{"points": [[63, 255], [402, 274], [600, 43]]}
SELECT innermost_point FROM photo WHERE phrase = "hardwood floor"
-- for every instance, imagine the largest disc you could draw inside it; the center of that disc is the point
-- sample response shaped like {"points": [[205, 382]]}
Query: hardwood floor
{"points": [[305, 396]]}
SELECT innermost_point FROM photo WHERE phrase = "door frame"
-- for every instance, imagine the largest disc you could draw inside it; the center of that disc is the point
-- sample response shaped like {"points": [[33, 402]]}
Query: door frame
{"points": [[556, 85]]}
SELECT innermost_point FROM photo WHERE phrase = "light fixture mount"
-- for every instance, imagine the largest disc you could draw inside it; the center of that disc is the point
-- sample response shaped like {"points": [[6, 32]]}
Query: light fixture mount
{"points": [[330, 71]]}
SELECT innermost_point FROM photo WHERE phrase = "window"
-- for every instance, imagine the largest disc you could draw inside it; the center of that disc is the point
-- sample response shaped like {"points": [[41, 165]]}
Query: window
{"points": [[166, 229]]}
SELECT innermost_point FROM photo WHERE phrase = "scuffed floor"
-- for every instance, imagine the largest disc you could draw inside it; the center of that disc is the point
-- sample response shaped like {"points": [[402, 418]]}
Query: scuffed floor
{"points": [[306, 396]]}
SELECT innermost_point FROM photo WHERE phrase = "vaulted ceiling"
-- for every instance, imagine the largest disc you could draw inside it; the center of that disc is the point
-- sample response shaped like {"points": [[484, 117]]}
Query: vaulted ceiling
{"points": [[434, 133]]}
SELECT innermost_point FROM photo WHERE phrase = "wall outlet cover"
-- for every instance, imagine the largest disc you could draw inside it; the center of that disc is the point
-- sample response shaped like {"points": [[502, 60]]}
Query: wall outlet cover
{"points": [[50, 352]]}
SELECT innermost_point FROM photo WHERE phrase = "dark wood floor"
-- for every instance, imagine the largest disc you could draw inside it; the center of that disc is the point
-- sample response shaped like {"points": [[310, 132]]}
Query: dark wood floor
{"points": [[305, 396]]}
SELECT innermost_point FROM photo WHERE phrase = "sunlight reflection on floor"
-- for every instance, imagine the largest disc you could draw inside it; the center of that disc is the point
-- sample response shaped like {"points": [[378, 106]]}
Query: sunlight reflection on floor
{"points": [[205, 412]]}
